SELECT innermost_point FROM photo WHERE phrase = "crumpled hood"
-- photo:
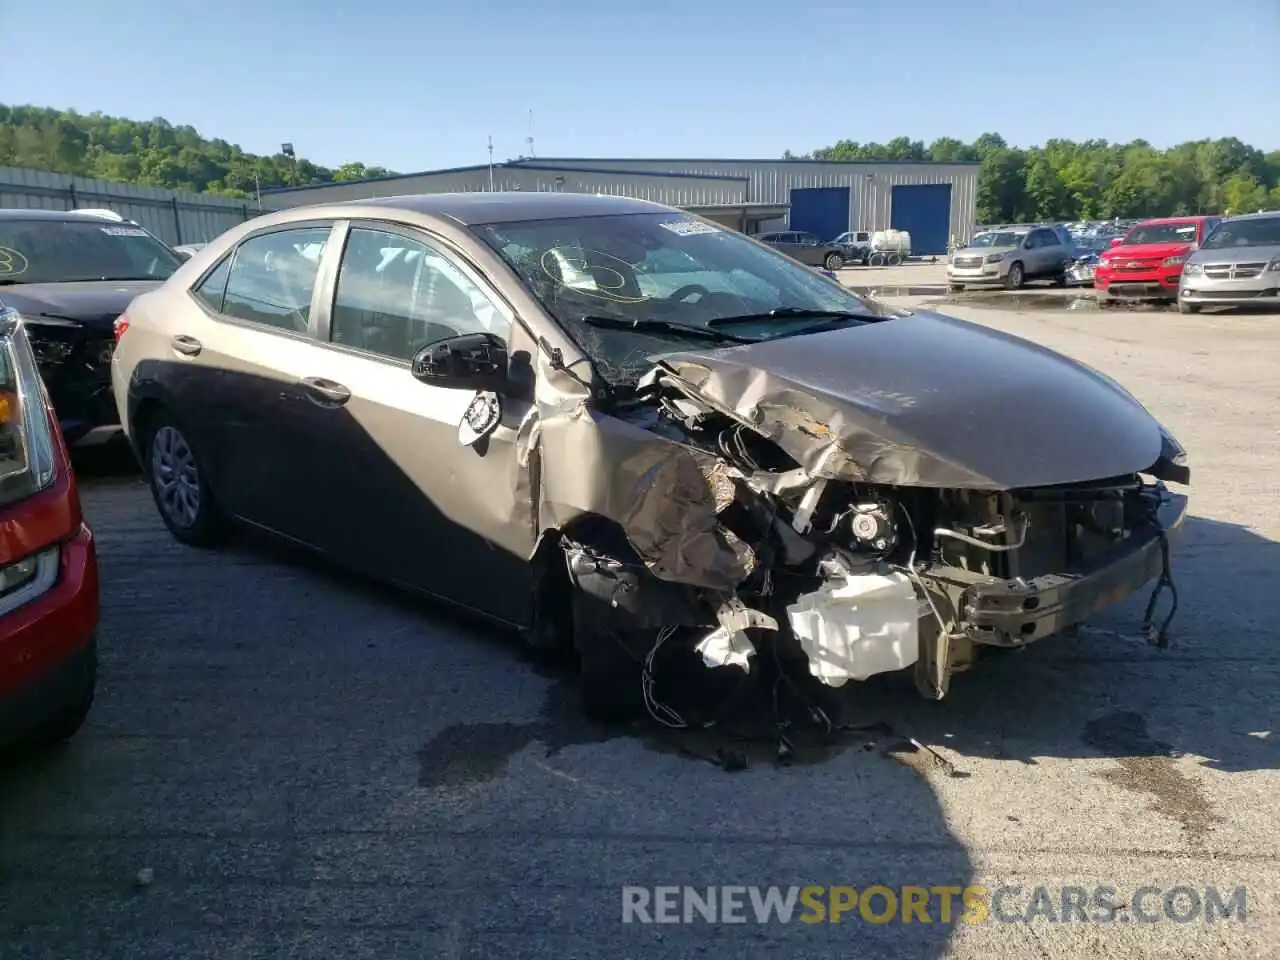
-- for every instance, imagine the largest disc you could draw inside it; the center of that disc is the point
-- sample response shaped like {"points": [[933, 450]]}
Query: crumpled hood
{"points": [[928, 400], [95, 304]]}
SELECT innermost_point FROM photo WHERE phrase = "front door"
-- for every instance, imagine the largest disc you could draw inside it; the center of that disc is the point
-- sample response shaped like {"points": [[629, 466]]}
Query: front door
{"points": [[409, 500]]}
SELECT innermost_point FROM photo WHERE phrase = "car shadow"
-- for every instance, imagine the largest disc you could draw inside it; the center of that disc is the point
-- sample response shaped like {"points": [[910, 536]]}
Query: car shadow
{"points": [[348, 747]]}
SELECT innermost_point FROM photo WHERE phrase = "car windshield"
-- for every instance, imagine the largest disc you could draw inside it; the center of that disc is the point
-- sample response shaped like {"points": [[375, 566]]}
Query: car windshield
{"points": [[999, 239], [64, 251], [649, 274], [1260, 232], [1162, 233]]}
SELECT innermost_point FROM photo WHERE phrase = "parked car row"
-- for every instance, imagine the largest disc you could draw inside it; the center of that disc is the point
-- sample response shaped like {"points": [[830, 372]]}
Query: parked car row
{"points": [[591, 419], [1195, 261]]}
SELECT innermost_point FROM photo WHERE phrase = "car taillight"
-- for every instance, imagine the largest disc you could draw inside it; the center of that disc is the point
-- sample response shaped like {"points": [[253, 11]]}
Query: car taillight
{"points": [[26, 435], [120, 326]]}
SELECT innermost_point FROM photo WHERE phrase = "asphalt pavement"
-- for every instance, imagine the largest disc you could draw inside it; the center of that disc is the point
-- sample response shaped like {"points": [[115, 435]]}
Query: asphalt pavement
{"points": [[285, 762]]}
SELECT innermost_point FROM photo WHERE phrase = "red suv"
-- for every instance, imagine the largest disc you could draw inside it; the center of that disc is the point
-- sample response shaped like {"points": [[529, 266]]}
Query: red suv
{"points": [[1147, 261], [48, 563]]}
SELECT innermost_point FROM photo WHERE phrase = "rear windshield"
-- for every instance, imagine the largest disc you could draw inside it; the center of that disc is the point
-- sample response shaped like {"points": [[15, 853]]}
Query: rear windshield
{"points": [[1162, 233], [61, 251], [1262, 232]]}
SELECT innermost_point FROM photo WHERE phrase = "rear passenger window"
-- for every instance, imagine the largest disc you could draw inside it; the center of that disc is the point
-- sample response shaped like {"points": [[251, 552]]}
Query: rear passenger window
{"points": [[214, 286], [273, 276], [396, 295]]}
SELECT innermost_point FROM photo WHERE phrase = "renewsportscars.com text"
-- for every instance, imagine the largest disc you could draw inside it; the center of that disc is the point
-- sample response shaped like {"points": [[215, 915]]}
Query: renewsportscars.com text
{"points": [[933, 904]]}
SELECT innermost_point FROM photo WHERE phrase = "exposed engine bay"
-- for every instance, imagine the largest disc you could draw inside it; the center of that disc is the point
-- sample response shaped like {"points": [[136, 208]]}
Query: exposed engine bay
{"points": [[863, 578]]}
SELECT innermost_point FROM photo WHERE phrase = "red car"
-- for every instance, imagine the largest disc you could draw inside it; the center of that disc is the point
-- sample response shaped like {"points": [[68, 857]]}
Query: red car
{"points": [[1147, 261], [48, 563]]}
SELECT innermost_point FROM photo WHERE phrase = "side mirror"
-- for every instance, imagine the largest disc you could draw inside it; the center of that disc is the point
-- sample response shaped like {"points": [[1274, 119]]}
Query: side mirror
{"points": [[470, 361], [183, 255], [1116, 241]]}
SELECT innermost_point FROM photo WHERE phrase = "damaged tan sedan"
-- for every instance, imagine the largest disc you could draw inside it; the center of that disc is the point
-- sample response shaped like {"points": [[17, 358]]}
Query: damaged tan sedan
{"points": [[615, 425]]}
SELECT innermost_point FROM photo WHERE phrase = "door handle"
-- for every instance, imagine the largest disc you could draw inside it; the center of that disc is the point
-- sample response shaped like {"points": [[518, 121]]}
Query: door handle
{"points": [[326, 392], [187, 346]]}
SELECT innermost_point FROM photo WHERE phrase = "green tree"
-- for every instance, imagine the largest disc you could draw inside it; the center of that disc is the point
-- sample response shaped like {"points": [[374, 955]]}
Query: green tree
{"points": [[151, 152]]}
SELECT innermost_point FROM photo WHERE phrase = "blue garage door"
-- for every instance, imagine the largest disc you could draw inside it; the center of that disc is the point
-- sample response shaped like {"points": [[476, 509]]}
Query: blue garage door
{"points": [[924, 211], [820, 210]]}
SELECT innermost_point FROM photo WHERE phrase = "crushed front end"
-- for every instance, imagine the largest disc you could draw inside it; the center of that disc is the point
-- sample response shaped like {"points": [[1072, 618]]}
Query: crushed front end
{"points": [[850, 576]]}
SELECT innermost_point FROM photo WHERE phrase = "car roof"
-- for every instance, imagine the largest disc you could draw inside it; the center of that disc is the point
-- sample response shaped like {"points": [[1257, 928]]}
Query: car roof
{"points": [[475, 208], [1160, 220], [69, 216], [1264, 215]]}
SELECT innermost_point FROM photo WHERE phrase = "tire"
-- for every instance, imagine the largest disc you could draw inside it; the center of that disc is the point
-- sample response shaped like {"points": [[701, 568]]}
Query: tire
{"points": [[1184, 307], [894, 260], [876, 259], [179, 486], [609, 681], [833, 261], [1016, 276], [955, 287]]}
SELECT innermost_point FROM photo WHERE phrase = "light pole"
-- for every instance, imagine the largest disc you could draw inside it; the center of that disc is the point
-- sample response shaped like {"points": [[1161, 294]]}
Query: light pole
{"points": [[288, 151]]}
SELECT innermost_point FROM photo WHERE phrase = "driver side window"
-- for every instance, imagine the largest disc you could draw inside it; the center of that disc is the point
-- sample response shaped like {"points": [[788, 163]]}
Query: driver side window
{"points": [[396, 295]]}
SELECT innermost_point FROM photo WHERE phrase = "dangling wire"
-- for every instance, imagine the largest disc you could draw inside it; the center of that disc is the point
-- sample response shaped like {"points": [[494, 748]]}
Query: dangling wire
{"points": [[658, 710]]}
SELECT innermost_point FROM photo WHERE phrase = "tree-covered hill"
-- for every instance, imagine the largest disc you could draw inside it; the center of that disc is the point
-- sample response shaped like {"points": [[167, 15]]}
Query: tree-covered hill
{"points": [[1061, 180]]}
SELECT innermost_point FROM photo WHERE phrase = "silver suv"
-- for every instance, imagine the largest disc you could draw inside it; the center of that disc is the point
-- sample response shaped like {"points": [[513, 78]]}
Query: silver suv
{"points": [[1239, 263], [1010, 256]]}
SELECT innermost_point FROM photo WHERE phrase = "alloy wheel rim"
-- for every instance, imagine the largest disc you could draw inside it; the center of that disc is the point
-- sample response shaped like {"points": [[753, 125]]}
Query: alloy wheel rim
{"points": [[176, 477]]}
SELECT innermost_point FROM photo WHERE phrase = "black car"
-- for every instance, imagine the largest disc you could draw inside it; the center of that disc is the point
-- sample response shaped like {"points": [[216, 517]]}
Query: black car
{"points": [[70, 275]]}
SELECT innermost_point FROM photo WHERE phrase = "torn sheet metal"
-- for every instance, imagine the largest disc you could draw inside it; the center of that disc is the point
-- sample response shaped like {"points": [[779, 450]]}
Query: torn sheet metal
{"points": [[664, 496], [926, 400]]}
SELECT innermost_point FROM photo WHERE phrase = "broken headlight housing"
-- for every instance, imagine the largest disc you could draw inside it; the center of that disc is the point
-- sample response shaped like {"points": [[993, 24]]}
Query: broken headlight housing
{"points": [[26, 435]]}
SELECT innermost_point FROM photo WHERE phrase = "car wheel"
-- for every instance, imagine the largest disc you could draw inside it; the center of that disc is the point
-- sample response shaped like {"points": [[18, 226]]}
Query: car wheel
{"points": [[1184, 307], [179, 485], [833, 261], [894, 260], [956, 287], [1015, 277]]}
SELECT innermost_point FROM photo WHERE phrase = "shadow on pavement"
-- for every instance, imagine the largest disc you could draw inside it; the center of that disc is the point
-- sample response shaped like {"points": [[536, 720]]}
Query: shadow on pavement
{"points": [[286, 760]]}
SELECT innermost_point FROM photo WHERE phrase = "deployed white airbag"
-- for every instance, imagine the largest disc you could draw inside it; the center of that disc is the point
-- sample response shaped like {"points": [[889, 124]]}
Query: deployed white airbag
{"points": [[858, 625]]}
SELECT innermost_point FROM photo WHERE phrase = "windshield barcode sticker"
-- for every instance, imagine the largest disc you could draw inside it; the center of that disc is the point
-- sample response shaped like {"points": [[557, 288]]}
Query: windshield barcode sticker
{"points": [[124, 231], [689, 228]]}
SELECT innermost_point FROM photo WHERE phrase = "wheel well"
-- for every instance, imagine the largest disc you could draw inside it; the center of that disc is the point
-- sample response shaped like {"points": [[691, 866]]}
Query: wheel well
{"points": [[143, 417]]}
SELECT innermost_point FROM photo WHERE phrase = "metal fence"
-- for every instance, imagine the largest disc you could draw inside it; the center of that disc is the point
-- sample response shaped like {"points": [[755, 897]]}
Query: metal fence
{"points": [[173, 217]]}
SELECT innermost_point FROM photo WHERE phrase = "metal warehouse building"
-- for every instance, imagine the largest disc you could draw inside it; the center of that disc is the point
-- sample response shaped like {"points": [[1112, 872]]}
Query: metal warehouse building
{"points": [[933, 201]]}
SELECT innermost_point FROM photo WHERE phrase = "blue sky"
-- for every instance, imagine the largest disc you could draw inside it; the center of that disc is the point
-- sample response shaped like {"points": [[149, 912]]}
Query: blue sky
{"points": [[420, 85]]}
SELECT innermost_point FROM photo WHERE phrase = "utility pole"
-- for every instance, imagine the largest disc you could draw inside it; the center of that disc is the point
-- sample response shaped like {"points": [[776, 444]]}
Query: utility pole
{"points": [[529, 139], [491, 164]]}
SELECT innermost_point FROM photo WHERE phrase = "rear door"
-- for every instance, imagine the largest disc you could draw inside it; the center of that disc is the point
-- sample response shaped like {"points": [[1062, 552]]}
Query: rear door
{"points": [[409, 502], [244, 393]]}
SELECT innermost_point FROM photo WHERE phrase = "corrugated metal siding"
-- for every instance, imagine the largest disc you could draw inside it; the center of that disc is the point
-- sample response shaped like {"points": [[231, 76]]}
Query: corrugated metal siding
{"points": [[771, 181], [674, 191], [172, 216]]}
